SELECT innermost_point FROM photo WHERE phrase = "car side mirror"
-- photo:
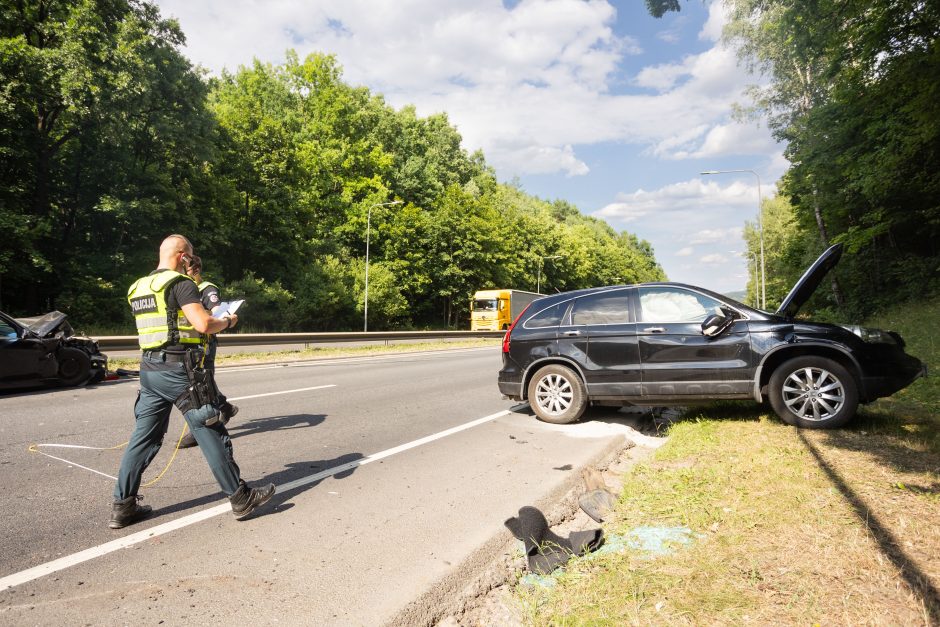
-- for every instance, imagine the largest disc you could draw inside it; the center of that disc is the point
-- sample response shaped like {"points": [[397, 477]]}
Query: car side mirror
{"points": [[715, 324]]}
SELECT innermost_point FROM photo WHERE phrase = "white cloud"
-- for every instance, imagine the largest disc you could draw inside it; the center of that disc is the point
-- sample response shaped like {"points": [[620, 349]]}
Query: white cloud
{"points": [[711, 236], [718, 14], [702, 217], [546, 160], [731, 139], [528, 84], [662, 77], [713, 259], [697, 195]]}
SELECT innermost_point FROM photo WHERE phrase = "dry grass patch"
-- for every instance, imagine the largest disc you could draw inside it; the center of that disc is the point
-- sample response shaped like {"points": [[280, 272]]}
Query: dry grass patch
{"points": [[795, 527]]}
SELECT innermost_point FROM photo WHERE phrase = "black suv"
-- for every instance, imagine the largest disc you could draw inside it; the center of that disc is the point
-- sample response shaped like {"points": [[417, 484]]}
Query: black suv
{"points": [[673, 344]]}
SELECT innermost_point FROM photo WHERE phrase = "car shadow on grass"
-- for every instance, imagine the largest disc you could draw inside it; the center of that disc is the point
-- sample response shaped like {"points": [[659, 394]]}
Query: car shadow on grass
{"points": [[743, 411]]}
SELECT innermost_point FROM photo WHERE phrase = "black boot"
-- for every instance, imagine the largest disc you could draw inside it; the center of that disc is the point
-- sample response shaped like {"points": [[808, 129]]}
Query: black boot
{"points": [[228, 411], [246, 500], [127, 512], [188, 440]]}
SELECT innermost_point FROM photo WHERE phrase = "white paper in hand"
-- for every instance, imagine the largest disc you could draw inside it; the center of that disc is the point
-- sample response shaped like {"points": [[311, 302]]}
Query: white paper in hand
{"points": [[226, 308]]}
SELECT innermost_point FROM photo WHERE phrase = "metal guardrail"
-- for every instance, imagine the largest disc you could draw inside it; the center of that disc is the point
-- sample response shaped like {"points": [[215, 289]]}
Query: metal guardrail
{"points": [[129, 342]]}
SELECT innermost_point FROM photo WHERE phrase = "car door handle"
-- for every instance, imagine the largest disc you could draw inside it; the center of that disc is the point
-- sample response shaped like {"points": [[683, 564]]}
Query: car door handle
{"points": [[654, 330], [571, 333]]}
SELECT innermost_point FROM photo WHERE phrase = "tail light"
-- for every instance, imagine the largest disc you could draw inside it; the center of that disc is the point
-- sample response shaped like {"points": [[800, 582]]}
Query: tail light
{"points": [[511, 327]]}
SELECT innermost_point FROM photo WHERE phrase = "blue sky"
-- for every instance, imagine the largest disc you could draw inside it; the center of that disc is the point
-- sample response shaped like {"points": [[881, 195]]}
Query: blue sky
{"points": [[592, 101]]}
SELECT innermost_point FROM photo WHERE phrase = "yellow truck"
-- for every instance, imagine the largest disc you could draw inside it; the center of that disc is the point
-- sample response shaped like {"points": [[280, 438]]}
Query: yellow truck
{"points": [[494, 310]]}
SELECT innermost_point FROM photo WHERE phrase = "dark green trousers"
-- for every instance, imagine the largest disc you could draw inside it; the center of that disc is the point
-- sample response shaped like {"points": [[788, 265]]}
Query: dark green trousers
{"points": [[209, 364], [158, 389]]}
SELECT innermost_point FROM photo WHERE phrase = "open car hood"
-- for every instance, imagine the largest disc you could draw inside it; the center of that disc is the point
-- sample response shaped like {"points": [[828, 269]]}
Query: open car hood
{"points": [[810, 280], [46, 324]]}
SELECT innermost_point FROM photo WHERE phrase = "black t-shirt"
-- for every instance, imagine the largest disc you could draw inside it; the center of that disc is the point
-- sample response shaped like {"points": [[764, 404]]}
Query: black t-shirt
{"points": [[211, 297], [182, 292]]}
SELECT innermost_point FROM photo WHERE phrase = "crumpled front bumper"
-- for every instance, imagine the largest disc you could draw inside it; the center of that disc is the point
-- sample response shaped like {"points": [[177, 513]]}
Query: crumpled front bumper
{"points": [[902, 375]]}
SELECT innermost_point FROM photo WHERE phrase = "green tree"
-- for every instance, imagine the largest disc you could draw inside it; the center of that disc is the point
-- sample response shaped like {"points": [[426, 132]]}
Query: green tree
{"points": [[102, 150], [853, 93]]}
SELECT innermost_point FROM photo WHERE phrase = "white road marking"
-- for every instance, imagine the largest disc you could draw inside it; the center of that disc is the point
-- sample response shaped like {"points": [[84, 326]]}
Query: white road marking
{"points": [[97, 472], [316, 387], [68, 561], [35, 447]]}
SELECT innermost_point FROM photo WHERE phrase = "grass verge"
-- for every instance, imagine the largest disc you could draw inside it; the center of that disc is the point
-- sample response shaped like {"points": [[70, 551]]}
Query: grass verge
{"points": [[794, 526], [325, 352]]}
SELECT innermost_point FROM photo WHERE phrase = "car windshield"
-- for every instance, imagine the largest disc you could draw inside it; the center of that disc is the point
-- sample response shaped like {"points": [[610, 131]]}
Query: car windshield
{"points": [[484, 304]]}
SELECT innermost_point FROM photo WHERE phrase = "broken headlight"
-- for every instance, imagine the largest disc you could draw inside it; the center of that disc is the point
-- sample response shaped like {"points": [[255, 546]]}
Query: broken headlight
{"points": [[874, 336]]}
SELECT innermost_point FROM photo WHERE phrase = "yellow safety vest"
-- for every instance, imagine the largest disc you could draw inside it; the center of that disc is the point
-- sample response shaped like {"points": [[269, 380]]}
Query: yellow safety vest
{"points": [[202, 286], [157, 326]]}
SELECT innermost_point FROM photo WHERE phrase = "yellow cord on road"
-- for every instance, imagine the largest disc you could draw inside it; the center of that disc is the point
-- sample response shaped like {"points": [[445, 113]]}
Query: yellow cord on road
{"points": [[34, 448], [172, 457]]}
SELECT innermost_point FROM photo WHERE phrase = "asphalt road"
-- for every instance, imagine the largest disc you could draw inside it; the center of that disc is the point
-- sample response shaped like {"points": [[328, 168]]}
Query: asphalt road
{"points": [[392, 473]]}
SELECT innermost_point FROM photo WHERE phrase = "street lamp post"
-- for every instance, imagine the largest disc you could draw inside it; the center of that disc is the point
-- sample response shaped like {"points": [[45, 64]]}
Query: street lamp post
{"points": [[760, 228], [365, 313], [538, 281]]}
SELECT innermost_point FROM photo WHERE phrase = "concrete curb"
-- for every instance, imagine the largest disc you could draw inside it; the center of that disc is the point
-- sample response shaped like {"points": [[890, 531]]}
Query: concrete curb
{"points": [[492, 564]]}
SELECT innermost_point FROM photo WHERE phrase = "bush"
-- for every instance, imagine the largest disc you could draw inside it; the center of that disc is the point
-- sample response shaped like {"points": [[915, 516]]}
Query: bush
{"points": [[267, 305]]}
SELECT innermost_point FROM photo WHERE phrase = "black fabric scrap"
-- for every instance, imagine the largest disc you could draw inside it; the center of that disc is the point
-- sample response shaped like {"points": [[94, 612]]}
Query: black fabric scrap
{"points": [[597, 504], [546, 550]]}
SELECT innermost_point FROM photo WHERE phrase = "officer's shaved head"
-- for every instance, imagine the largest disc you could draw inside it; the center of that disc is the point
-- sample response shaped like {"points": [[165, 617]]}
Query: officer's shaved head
{"points": [[170, 251], [176, 244]]}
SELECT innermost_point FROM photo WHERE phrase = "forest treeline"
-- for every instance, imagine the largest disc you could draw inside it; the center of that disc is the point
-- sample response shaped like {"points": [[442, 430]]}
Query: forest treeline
{"points": [[110, 140], [853, 92]]}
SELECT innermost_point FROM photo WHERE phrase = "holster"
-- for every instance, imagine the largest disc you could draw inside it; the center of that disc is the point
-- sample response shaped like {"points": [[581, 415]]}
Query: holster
{"points": [[202, 390]]}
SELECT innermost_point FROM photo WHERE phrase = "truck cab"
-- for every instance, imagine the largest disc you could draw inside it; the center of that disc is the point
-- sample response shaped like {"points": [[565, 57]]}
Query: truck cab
{"points": [[494, 310]]}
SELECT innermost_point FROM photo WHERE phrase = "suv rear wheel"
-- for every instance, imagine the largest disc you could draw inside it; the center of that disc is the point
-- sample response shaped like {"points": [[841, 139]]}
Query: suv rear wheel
{"points": [[813, 393], [557, 394]]}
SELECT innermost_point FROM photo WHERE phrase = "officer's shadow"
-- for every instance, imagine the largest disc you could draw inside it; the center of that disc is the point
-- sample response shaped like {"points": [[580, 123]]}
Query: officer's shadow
{"points": [[295, 477], [238, 429], [298, 477]]}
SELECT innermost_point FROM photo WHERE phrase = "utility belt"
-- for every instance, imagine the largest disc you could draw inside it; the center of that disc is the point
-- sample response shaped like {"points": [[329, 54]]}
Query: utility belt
{"points": [[201, 390], [168, 356]]}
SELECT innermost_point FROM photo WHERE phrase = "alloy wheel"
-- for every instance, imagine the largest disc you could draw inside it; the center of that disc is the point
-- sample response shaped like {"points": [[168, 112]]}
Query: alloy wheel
{"points": [[554, 393], [813, 394]]}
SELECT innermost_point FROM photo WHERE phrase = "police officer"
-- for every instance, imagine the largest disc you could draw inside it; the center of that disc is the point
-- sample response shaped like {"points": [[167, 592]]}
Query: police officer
{"points": [[171, 328], [211, 299]]}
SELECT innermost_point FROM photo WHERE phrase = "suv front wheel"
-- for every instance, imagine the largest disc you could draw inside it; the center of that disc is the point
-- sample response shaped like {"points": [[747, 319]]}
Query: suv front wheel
{"points": [[557, 394], [813, 393]]}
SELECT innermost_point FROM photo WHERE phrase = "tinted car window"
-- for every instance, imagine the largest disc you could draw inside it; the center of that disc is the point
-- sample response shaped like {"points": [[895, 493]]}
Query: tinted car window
{"points": [[606, 308], [551, 317], [670, 304]]}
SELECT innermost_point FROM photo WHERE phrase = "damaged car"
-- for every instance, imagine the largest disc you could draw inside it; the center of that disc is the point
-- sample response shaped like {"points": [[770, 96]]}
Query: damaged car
{"points": [[45, 351], [662, 344]]}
